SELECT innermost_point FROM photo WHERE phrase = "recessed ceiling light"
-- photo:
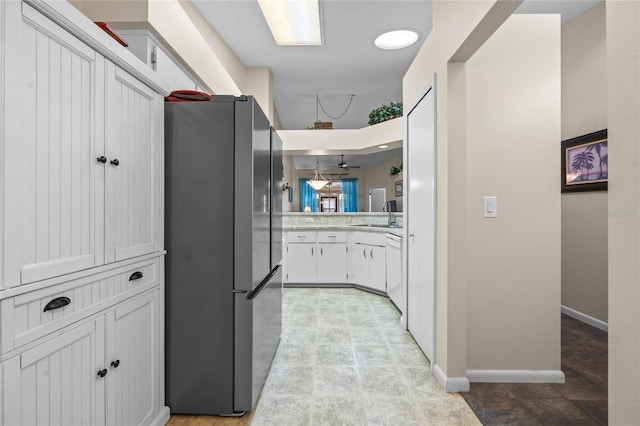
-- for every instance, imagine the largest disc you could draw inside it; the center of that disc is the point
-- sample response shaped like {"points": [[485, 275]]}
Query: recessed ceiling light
{"points": [[293, 23], [396, 39], [383, 146]]}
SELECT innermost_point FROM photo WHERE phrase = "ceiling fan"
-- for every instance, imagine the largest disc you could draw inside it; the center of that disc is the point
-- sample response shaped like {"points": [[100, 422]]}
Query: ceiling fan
{"points": [[343, 165]]}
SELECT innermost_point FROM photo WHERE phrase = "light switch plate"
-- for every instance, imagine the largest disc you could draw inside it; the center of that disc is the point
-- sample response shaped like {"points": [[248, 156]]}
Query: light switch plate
{"points": [[489, 206]]}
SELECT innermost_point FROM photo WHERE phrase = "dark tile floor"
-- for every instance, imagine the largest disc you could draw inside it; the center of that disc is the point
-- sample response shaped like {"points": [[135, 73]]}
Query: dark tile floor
{"points": [[581, 400]]}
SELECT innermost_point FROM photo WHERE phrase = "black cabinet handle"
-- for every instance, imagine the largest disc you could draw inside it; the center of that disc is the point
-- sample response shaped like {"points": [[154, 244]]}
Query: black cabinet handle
{"points": [[115, 363], [57, 303], [115, 162], [102, 159], [102, 373], [136, 276]]}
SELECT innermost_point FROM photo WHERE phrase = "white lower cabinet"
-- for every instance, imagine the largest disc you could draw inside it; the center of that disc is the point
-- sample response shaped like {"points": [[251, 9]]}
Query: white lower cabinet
{"points": [[56, 382], [332, 263], [301, 263], [103, 369], [132, 363], [369, 266], [316, 257], [368, 260]]}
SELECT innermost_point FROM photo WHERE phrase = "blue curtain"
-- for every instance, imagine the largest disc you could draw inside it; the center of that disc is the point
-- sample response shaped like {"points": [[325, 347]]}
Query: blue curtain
{"points": [[308, 196], [349, 202]]}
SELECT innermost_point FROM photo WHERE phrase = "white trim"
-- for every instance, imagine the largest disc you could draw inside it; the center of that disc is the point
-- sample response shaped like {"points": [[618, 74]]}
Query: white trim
{"points": [[587, 319], [162, 418], [450, 384], [515, 376]]}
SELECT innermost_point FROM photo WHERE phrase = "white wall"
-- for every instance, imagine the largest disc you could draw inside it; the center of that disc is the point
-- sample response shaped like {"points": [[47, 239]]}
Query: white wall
{"points": [[458, 26], [584, 110], [623, 119], [513, 131]]}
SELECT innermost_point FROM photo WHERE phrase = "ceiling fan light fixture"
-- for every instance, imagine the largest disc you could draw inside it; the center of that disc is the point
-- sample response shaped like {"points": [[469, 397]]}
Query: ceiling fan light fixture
{"points": [[293, 22], [398, 39]]}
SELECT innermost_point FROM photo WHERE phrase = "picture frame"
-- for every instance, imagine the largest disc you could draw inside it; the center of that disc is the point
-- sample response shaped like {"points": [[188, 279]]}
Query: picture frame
{"points": [[585, 163], [398, 188]]}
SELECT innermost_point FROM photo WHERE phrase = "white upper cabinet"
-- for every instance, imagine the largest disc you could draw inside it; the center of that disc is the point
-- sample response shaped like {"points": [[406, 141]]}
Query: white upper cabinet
{"points": [[134, 144], [82, 165], [144, 45], [53, 183]]}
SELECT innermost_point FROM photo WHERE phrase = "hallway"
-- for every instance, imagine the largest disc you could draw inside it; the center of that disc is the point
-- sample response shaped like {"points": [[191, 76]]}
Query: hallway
{"points": [[344, 360], [581, 400]]}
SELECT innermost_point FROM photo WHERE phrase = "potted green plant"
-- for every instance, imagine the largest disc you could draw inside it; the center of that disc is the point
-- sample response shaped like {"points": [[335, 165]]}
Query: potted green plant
{"points": [[385, 112], [395, 170]]}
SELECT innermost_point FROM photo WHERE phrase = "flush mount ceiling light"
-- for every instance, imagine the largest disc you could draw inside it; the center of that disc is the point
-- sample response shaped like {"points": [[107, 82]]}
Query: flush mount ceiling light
{"points": [[293, 22], [383, 146], [396, 39]]}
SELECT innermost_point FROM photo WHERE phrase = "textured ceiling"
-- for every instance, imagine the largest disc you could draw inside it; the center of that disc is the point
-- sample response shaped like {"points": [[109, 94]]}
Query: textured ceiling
{"points": [[347, 63]]}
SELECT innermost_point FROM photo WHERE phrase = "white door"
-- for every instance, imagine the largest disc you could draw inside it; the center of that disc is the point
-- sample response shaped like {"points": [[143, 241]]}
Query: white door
{"points": [[131, 361], [133, 139], [301, 263], [54, 192], [56, 382], [332, 263], [420, 201]]}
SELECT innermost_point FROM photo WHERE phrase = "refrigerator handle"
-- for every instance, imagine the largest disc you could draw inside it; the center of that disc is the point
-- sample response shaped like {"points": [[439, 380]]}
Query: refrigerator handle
{"points": [[254, 293]]}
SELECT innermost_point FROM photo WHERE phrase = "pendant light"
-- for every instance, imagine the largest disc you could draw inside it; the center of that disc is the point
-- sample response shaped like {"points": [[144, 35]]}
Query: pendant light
{"points": [[318, 182]]}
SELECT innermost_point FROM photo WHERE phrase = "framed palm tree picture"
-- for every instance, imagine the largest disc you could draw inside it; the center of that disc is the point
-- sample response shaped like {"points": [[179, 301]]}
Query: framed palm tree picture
{"points": [[585, 163]]}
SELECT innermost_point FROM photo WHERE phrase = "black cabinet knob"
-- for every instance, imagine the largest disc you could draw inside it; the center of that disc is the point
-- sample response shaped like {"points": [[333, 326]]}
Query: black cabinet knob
{"points": [[102, 373], [115, 363], [115, 162], [102, 159]]}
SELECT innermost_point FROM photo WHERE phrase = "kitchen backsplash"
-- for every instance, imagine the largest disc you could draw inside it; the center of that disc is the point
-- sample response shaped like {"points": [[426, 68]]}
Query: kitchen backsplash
{"points": [[336, 219]]}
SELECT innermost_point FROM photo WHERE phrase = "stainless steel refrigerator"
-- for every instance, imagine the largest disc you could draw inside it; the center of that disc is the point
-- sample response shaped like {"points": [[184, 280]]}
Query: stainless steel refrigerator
{"points": [[223, 238]]}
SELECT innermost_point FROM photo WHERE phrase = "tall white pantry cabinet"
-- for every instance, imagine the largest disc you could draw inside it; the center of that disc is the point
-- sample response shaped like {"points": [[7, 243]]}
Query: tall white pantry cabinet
{"points": [[81, 224]]}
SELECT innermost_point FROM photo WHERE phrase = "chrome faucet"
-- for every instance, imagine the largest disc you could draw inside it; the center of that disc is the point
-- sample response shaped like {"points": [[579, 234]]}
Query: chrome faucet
{"points": [[392, 219]]}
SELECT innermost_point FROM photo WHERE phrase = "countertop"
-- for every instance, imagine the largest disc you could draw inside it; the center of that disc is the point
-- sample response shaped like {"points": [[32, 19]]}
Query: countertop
{"points": [[365, 228]]}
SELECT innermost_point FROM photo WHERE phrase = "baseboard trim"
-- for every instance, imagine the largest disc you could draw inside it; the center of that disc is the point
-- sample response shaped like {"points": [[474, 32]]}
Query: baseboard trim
{"points": [[515, 376], [450, 384], [587, 319], [162, 418], [335, 285]]}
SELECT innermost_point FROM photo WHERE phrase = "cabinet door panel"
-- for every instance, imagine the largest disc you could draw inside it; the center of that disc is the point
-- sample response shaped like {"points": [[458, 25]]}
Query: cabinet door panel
{"points": [[133, 137], [377, 268], [332, 263], [54, 204], [56, 382], [360, 264], [301, 263], [132, 340]]}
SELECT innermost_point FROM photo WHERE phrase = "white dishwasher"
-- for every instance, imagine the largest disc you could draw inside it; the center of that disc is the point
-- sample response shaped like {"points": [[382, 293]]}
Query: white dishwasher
{"points": [[394, 269]]}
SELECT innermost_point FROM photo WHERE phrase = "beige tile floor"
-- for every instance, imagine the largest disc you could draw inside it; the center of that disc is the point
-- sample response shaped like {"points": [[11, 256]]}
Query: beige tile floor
{"points": [[344, 359]]}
